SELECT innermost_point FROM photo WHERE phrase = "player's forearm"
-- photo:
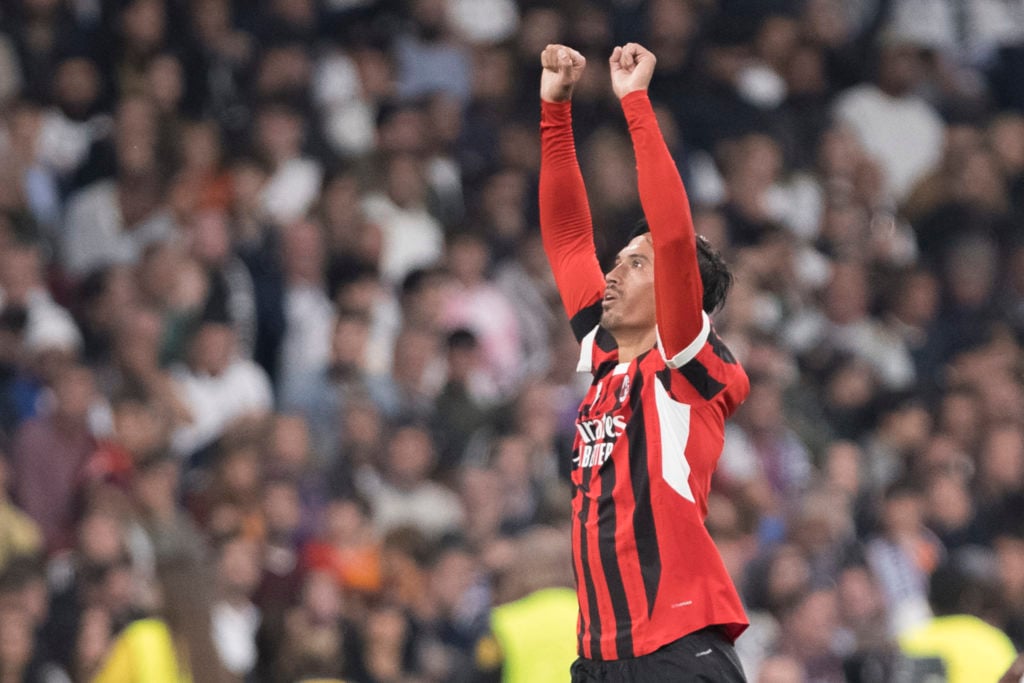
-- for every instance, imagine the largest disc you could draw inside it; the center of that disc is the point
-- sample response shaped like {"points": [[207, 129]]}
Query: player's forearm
{"points": [[564, 212], [678, 289], [662, 194], [566, 227]]}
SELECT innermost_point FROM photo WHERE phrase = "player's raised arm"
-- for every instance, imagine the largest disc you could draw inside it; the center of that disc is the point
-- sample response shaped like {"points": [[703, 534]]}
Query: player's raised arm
{"points": [[565, 222], [678, 292]]}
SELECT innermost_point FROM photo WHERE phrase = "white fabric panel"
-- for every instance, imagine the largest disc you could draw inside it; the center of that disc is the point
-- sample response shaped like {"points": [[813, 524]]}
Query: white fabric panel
{"points": [[586, 363], [674, 424]]}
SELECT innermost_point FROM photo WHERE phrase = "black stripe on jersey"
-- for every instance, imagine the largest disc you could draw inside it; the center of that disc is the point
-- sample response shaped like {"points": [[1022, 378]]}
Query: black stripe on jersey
{"points": [[579, 621], [643, 513], [588, 577], [585, 320], [604, 369], [607, 525], [604, 339], [695, 372], [720, 349]]}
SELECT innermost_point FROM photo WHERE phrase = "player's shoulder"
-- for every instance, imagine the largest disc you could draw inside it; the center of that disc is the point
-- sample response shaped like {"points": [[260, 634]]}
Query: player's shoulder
{"points": [[712, 373]]}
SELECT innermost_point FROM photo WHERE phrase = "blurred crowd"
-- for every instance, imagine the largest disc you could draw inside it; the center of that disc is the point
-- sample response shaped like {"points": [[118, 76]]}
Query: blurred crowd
{"points": [[282, 365]]}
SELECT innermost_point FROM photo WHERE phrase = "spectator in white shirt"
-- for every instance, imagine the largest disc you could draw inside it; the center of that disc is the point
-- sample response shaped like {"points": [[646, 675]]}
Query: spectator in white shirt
{"points": [[402, 493], [309, 316], [235, 618], [412, 237], [896, 126], [295, 181], [22, 285], [218, 386], [113, 220]]}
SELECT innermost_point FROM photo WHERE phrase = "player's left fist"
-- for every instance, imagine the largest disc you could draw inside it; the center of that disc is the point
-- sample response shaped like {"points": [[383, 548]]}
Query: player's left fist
{"points": [[632, 66]]}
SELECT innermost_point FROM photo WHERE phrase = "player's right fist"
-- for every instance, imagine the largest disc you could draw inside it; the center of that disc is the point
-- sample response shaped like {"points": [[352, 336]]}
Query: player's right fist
{"points": [[562, 68]]}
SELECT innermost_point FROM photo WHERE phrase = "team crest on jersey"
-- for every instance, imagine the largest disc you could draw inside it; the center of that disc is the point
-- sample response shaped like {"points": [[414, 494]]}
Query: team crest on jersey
{"points": [[624, 391]]}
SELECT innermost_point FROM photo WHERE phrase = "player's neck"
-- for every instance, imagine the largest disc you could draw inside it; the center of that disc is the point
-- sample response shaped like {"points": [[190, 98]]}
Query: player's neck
{"points": [[632, 343]]}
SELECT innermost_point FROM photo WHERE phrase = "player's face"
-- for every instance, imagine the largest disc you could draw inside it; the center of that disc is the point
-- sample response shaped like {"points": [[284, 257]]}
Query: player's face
{"points": [[628, 303]]}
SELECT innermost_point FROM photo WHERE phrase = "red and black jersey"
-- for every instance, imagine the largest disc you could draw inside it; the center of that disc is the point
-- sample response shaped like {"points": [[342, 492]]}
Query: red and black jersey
{"points": [[650, 431]]}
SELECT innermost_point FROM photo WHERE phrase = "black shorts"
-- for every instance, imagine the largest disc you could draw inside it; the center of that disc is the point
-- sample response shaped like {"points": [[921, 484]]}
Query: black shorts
{"points": [[705, 655]]}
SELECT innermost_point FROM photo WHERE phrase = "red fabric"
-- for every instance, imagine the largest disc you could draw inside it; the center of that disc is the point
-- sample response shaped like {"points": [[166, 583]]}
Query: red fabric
{"points": [[647, 570], [566, 227], [110, 463], [678, 292], [353, 568], [46, 474]]}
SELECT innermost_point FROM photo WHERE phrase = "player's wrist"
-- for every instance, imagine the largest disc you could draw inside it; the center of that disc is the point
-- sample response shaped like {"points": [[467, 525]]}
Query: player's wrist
{"points": [[635, 101], [557, 95], [635, 93], [555, 110]]}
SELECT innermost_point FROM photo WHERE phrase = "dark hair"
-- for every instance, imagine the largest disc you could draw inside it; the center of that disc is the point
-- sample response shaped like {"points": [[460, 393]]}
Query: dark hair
{"points": [[714, 272], [345, 270], [462, 339], [957, 587], [417, 279], [14, 319], [346, 314], [20, 572], [904, 487]]}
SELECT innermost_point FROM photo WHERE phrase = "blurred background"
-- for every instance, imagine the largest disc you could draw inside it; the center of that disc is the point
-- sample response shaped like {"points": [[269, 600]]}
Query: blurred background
{"points": [[284, 377]]}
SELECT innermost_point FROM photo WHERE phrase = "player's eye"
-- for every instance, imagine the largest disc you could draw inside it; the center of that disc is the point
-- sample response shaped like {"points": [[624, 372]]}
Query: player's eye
{"points": [[637, 263]]}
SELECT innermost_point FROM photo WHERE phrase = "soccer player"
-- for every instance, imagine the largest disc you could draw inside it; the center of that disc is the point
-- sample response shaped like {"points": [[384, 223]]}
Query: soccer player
{"points": [[656, 602]]}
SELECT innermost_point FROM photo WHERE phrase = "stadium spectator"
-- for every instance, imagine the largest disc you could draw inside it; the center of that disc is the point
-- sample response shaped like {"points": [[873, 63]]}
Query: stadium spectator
{"points": [[48, 455], [967, 646], [218, 387], [21, 536], [149, 649], [400, 491], [909, 149], [529, 639]]}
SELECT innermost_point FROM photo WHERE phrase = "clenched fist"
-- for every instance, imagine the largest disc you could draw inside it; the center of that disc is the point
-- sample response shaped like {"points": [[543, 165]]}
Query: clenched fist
{"points": [[563, 67], [632, 66]]}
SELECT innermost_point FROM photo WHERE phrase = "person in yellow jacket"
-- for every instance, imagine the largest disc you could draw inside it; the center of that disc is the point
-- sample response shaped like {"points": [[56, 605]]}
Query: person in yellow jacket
{"points": [[532, 637], [19, 535], [970, 649], [144, 651], [176, 647]]}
